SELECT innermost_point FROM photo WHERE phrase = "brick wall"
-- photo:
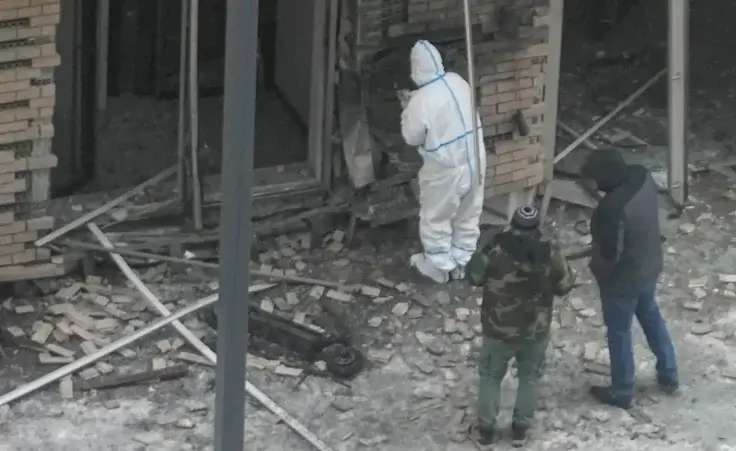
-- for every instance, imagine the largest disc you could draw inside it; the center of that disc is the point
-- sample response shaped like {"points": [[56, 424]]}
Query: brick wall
{"points": [[27, 97], [510, 58]]}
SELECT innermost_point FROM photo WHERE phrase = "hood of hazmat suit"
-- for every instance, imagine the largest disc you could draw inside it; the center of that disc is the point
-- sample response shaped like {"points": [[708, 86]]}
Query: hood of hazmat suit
{"points": [[441, 122]]}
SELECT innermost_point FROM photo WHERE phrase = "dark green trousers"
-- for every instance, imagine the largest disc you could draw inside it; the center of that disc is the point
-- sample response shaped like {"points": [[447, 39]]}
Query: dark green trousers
{"points": [[493, 366]]}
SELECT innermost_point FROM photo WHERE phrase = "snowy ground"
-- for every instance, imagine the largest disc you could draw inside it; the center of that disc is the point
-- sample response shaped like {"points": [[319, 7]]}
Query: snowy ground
{"points": [[420, 396], [411, 399]]}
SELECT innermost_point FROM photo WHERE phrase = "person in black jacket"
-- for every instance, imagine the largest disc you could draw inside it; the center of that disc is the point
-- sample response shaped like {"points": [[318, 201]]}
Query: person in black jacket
{"points": [[626, 262]]}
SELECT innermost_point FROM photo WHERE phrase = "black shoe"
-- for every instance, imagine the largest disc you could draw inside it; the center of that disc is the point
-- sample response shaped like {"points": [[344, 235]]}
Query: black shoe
{"points": [[604, 395], [669, 387], [482, 437], [519, 435]]}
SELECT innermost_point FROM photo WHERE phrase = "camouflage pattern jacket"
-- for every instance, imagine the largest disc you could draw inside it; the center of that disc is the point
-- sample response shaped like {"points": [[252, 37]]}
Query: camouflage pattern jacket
{"points": [[521, 273]]}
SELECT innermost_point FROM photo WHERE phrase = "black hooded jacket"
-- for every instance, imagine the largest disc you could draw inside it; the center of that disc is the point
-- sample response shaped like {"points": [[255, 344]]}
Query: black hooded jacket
{"points": [[627, 245]]}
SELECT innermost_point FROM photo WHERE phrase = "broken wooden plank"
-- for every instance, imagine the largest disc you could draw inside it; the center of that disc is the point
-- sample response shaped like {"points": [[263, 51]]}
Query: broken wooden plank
{"points": [[123, 380]]}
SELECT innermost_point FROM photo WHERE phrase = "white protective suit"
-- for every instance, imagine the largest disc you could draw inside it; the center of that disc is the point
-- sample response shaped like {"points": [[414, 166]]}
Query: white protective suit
{"points": [[437, 119]]}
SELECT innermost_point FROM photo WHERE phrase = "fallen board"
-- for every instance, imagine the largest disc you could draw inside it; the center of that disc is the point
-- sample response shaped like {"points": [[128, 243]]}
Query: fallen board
{"points": [[571, 192]]}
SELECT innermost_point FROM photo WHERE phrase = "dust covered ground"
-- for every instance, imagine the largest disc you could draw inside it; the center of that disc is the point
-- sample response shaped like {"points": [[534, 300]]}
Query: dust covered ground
{"points": [[419, 390]]}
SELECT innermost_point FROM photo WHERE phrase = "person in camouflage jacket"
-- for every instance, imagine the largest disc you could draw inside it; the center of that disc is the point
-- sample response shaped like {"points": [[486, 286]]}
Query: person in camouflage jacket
{"points": [[520, 273]]}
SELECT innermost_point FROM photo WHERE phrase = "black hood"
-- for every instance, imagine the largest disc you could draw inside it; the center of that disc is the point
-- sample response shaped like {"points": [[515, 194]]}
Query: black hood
{"points": [[607, 168]]}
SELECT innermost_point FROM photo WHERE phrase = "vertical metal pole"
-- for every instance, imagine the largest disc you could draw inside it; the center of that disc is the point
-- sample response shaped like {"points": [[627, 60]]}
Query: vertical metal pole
{"points": [[238, 133], [317, 87], [480, 177], [102, 51], [551, 99], [181, 177], [679, 32], [194, 111], [552, 86]]}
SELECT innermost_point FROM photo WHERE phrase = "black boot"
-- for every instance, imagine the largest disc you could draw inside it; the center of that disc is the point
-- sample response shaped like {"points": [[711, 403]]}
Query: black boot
{"points": [[519, 435], [606, 396], [669, 387], [482, 437]]}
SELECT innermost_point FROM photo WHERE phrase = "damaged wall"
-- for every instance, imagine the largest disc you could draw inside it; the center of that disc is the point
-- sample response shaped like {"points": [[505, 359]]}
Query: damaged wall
{"points": [[27, 98], [510, 39]]}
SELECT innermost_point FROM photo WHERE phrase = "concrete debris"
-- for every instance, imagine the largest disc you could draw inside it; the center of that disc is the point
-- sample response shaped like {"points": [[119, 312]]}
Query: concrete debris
{"points": [[727, 278], [339, 296], [106, 325], [380, 356], [164, 346], [282, 305], [292, 298], [89, 373], [300, 318], [687, 228], [450, 326], [384, 282], [462, 313], [338, 236], [42, 333], [16, 331], [260, 363], [699, 293], [59, 350], [400, 309], [47, 359], [149, 438], [430, 343], [591, 351], [334, 247], [120, 299], [104, 367], [701, 328], [421, 299], [700, 282], [316, 292], [185, 423], [370, 291], [694, 305], [587, 312], [382, 300], [267, 305], [283, 370], [24, 309], [402, 288], [442, 297], [193, 358], [375, 321], [111, 404], [68, 293], [158, 364], [66, 388], [415, 313], [343, 403], [577, 303], [729, 373]]}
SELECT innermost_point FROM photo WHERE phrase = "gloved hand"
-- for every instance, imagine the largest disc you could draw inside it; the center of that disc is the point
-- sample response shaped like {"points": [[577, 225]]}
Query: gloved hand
{"points": [[404, 95]]}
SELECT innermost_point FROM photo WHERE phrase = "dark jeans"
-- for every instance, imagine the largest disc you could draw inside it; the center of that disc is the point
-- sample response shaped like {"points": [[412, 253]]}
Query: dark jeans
{"points": [[618, 313], [493, 364]]}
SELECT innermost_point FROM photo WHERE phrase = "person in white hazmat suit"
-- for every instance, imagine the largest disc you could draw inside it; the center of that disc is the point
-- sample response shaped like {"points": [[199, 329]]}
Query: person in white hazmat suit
{"points": [[438, 119]]}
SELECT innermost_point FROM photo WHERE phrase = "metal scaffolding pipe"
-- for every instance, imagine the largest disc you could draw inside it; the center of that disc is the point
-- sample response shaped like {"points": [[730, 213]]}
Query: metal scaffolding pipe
{"points": [[679, 32], [238, 142], [181, 175], [126, 341], [480, 177], [194, 112]]}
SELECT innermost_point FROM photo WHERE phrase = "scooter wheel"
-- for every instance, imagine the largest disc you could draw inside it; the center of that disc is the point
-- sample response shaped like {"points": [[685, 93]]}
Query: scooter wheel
{"points": [[343, 361]]}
